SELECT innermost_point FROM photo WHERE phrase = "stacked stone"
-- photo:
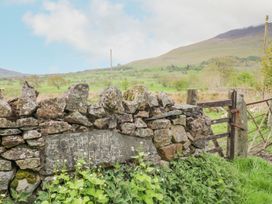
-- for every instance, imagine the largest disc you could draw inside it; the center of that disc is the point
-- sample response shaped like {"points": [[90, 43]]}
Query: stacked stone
{"points": [[24, 124], [20, 141]]}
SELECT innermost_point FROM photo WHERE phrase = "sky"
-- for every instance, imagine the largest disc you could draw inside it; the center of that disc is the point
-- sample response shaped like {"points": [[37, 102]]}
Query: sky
{"points": [[57, 36]]}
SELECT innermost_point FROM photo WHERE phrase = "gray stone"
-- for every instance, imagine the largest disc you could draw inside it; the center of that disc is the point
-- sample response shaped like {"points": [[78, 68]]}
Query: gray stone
{"points": [[128, 128], [111, 99], [78, 118], [32, 163], [5, 109], [5, 165], [130, 106], [178, 134], [144, 132], [125, 118], [159, 124], [168, 114], [51, 108], [12, 141], [142, 114], [27, 103], [156, 111], [112, 123], [2, 149], [53, 127], [162, 137], [82, 129], [36, 142], [29, 92], [27, 122], [152, 100], [77, 98], [139, 123], [165, 100], [181, 120], [5, 132], [189, 136], [25, 181], [5, 123], [101, 123], [5, 178], [24, 106], [186, 145], [138, 95], [95, 147], [31, 134], [97, 111], [20, 152], [198, 127], [189, 110]]}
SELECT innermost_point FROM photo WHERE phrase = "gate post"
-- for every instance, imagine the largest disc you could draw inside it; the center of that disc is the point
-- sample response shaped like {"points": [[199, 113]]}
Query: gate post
{"points": [[192, 96], [241, 137], [238, 140], [232, 122]]}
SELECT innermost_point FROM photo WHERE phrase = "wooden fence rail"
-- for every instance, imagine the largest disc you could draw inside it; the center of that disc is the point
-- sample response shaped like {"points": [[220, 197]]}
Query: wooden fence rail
{"points": [[236, 122]]}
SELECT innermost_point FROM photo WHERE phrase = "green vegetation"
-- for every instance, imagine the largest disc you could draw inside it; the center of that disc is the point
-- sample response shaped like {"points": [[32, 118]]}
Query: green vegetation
{"points": [[226, 73], [267, 68], [205, 179], [194, 180], [256, 177]]}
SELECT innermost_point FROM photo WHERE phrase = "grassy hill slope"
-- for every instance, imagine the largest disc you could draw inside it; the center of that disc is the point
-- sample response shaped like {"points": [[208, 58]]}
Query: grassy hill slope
{"points": [[4, 73], [240, 43]]}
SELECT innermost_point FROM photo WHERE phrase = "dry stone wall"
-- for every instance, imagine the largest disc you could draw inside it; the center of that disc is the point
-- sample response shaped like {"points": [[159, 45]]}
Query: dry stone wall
{"points": [[36, 138]]}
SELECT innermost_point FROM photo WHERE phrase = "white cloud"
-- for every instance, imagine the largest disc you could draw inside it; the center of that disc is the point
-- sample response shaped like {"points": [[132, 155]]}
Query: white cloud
{"points": [[103, 24]]}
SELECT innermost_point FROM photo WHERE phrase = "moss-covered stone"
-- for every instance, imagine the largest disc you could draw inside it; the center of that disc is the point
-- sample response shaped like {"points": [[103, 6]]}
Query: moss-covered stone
{"points": [[25, 181]]}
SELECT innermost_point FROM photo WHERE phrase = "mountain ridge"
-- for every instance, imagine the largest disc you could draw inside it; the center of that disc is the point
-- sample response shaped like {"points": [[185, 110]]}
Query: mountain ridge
{"points": [[243, 42], [4, 73]]}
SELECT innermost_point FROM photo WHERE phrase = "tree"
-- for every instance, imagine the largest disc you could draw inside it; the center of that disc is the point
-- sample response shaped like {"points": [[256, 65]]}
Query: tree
{"points": [[267, 68], [56, 81]]}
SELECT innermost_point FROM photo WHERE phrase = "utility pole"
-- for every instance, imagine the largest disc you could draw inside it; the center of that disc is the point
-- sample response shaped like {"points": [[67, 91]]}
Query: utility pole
{"points": [[266, 33], [111, 59], [111, 71]]}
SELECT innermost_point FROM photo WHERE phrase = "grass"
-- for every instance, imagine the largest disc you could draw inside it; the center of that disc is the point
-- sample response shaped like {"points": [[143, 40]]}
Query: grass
{"points": [[196, 53], [254, 136], [256, 175]]}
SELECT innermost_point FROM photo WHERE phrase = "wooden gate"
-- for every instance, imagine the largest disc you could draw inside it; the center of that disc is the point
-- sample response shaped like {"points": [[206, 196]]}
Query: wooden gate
{"points": [[236, 124], [260, 125]]}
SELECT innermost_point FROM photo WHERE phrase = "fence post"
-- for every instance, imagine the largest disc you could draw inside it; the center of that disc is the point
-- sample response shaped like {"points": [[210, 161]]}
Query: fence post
{"points": [[269, 119], [241, 137], [192, 96], [231, 125]]}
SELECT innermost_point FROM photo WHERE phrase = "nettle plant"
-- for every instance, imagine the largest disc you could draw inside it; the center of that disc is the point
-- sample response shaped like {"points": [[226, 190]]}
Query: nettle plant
{"points": [[135, 183]]}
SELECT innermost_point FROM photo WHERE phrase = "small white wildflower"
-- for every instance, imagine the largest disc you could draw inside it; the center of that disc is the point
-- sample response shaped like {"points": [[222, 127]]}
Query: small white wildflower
{"points": [[132, 149], [141, 143]]}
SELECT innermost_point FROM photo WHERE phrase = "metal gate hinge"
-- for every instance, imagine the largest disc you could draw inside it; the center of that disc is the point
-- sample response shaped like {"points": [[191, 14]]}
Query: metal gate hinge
{"points": [[238, 126]]}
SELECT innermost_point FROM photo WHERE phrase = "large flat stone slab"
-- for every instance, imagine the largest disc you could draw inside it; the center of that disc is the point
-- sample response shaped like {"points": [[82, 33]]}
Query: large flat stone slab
{"points": [[95, 147]]}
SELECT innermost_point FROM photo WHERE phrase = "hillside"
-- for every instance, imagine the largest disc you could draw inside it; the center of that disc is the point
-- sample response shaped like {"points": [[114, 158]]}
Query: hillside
{"points": [[4, 73], [239, 43]]}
